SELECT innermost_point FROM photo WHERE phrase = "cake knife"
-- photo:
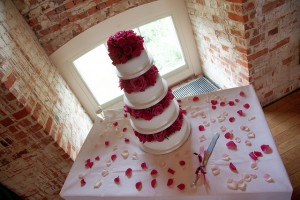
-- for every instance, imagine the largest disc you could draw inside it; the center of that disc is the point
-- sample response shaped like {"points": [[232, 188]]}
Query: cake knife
{"points": [[207, 154]]}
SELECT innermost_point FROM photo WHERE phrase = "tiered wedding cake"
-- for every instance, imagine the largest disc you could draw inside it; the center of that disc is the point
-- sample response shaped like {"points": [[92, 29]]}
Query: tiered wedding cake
{"points": [[155, 115]]}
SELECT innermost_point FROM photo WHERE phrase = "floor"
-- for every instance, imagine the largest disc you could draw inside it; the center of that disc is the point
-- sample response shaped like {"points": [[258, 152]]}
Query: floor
{"points": [[283, 118]]}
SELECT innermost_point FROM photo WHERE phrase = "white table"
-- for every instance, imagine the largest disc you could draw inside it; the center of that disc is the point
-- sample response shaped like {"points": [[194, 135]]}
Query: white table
{"points": [[199, 112]]}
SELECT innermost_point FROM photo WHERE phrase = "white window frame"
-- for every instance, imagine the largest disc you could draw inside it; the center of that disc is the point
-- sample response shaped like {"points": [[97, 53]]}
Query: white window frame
{"points": [[91, 38]]}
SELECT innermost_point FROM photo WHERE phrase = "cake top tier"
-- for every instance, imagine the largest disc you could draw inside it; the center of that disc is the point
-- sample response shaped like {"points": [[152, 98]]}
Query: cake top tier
{"points": [[123, 46]]}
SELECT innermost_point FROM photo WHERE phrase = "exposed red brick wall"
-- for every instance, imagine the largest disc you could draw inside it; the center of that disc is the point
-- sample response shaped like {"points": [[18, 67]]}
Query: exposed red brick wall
{"points": [[56, 22], [42, 124], [249, 42]]}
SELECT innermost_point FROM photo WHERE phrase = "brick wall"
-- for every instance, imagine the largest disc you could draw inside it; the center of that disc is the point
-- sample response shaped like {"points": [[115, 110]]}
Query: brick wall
{"points": [[42, 124], [56, 22], [249, 42]]}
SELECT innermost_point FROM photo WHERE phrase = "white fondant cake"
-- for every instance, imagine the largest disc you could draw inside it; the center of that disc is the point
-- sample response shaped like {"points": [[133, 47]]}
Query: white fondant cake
{"points": [[157, 123], [151, 96]]}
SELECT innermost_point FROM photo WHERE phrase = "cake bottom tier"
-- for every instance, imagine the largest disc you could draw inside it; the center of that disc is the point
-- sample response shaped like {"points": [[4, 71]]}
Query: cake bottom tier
{"points": [[172, 143]]}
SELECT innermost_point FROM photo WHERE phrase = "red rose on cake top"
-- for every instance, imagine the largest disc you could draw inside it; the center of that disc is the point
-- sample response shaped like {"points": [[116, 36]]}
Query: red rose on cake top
{"points": [[123, 46]]}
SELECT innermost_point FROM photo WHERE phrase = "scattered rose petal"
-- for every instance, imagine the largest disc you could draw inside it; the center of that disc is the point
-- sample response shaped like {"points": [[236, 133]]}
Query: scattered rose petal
{"points": [[108, 163], [254, 176], [254, 165], [171, 171], [248, 143], [221, 119], [214, 102], [153, 183], [242, 186], [231, 103], [201, 128], [126, 140], [222, 103], [135, 156], [251, 135], [97, 158], [82, 182], [182, 162], [231, 145], [252, 155], [89, 163], [124, 129], [213, 120], [144, 166], [231, 119], [115, 147], [183, 111], [266, 148], [117, 180], [228, 135], [81, 176], [125, 154], [241, 113], [138, 185], [268, 178], [257, 153], [115, 123], [206, 124], [181, 186], [154, 172], [238, 140], [232, 185], [113, 157], [104, 172], [202, 138], [106, 143], [237, 100], [179, 100], [247, 177], [223, 128], [251, 118], [225, 157], [98, 184], [247, 106], [125, 115], [213, 107], [232, 167], [215, 170], [242, 94], [128, 172], [195, 98], [170, 182], [162, 164]]}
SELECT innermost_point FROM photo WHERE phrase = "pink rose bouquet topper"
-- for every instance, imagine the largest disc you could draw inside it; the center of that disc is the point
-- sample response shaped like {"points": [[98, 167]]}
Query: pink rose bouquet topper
{"points": [[123, 46]]}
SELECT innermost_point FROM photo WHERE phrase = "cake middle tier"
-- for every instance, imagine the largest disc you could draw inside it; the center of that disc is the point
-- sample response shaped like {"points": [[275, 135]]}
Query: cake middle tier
{"points": [[157, 123], [151, 96]]}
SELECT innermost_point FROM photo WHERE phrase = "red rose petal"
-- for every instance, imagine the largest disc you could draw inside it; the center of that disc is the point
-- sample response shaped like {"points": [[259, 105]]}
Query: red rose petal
{"points": [[232, 167], [171, 171], [246, 106], [257, 153], [88, 163], [237, 100], [82, 182], [126, 140], [201, 128], [200, 158], [214, 102], [266, 148], [138, 185], [117, 180], [144, 166], [125, 115], [170, 182], [213, 107], [113, 157], [242, 94], [106, 143], [115, 123], [153, 183], [231, 119], [179, 100], [182, 162], [240, 112], [124, 129], [195, 98], [231, 145], [222, 103], [154, 172], [228, 135], [181, 186], [183, 112], [231, 103], [97, 158], [128, 172], [253, 156]]}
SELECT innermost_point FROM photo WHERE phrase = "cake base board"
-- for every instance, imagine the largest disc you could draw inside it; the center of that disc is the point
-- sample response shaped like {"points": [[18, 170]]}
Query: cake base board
{"points": [[171, 145]]}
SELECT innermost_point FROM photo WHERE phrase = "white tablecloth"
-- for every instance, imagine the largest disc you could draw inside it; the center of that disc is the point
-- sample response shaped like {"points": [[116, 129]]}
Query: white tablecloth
{"points": [[113, 136]]}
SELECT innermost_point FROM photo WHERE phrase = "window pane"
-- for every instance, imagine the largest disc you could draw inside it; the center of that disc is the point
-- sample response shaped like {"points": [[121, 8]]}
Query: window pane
{"points": [[162, 43], [99, 74]]}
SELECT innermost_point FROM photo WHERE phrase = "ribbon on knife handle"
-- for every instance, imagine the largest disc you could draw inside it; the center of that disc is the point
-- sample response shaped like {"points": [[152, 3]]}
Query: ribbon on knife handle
{"points": [[203, 162]]}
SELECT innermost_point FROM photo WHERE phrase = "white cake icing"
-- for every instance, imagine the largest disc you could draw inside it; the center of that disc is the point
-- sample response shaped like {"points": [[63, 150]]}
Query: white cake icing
{"points": [[135, 66], [151, 96], [157, 123], [173, 142]]}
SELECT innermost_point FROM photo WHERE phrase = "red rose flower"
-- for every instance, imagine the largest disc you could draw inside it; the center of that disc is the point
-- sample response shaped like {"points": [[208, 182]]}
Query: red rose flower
{"points": [[138, 83], [157, 109], [147, 114]]}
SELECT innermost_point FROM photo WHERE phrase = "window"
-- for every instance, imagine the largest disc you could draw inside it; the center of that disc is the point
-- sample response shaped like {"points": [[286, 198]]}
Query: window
{"points": [[168, 38]]}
